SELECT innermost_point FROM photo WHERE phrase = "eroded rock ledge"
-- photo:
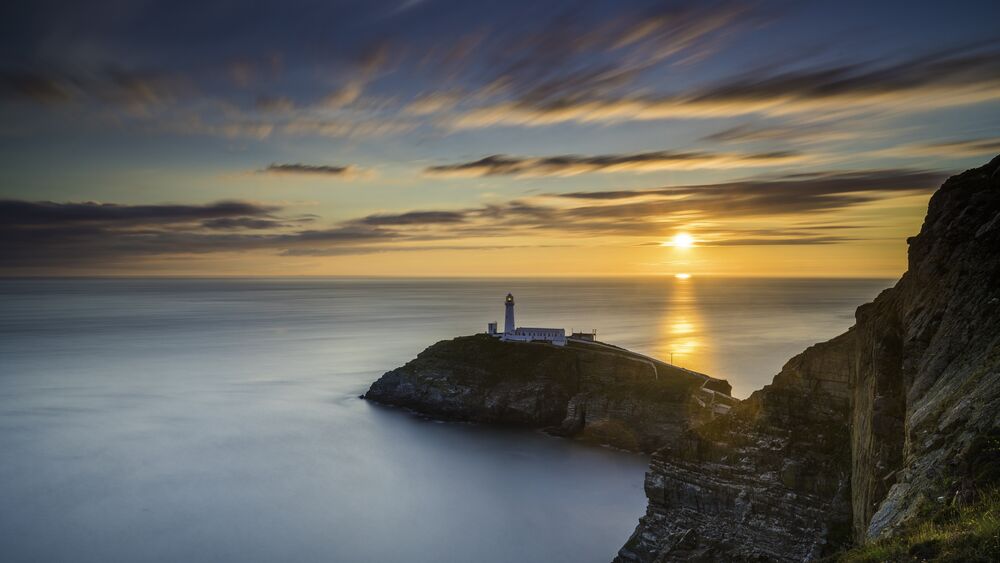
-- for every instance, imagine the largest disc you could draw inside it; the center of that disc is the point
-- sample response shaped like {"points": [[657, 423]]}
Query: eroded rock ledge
{"points": [[596, 392]]}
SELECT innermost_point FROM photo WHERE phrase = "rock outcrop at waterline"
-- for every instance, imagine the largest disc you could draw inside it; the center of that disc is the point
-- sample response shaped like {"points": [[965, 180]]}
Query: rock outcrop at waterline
{"points": [[862, 436], [594, 391]]}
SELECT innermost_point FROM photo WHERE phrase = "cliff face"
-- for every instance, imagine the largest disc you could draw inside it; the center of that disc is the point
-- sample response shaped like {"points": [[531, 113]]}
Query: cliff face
{"points": [[594, 391], [860, 436], [926, 389]]}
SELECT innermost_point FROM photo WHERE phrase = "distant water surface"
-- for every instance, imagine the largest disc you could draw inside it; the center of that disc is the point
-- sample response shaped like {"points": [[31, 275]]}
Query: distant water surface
{"points": [[217, 420]]}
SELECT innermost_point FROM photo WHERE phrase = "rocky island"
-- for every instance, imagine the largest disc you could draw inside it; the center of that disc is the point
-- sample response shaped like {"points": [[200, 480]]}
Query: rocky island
{"points": [[861, 440]]}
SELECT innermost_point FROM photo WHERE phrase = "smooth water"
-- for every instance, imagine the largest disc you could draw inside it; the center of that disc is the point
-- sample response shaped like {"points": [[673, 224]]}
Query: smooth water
{"points": [[218, 420]]}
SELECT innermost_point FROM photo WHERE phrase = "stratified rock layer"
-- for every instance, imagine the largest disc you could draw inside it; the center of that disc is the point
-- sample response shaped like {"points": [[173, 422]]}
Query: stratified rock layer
{"points": [[595, 391], [856, 437]]}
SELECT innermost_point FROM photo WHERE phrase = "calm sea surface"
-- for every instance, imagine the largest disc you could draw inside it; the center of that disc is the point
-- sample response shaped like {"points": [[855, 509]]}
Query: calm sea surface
{"points": [[218, 420]]}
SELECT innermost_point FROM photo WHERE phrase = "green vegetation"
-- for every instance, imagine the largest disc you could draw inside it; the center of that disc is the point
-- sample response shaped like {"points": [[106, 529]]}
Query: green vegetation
{"points": [[969, 533]]}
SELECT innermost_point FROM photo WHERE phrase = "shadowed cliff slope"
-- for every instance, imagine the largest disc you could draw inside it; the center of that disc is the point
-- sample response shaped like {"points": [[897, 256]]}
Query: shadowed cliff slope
{"points": [[598, 392], [862, 436]]}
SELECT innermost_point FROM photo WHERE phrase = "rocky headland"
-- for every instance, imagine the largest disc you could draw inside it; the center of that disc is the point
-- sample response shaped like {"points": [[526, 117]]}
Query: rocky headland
{"points": [[857, 440], [593, 391]]}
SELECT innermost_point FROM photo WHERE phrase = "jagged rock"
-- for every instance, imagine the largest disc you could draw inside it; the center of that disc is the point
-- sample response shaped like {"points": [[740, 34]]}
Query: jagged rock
{"points": [[857, 435], [597, 392]]}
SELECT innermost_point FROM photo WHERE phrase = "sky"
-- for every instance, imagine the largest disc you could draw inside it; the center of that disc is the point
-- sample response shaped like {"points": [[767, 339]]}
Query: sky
{"points": [[458, 138]]}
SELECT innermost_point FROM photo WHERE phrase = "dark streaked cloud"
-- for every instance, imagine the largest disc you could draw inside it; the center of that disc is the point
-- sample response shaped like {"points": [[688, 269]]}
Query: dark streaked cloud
{"points": [[568, 165], [231, 223], [49, 234], [320, 169], [355, 250], [414, 218], [792, 186], [17, 213]]}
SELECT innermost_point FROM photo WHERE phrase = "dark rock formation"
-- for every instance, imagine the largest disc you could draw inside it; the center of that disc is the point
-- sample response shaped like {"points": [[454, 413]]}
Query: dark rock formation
{"points": [[860, 436], [769, 481], [594, 391]]}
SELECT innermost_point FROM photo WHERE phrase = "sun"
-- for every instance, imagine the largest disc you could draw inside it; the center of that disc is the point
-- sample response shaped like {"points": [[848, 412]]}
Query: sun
{"points": [[682, 240]]}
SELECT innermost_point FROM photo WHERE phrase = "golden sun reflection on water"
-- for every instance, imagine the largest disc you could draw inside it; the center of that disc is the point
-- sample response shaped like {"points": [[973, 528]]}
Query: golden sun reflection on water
{"points": [[682, 334]]}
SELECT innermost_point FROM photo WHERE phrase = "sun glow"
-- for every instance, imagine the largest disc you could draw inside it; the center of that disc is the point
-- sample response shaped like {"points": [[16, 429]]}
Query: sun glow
{"points": [[682, 276], [682, 240]]}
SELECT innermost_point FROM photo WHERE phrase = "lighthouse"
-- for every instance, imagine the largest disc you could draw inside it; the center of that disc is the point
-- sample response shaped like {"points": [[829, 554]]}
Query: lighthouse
{"points": [[513, 333], [508, 318]]}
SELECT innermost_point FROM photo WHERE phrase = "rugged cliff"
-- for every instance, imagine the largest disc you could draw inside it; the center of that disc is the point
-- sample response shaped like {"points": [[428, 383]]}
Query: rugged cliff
{"points": [[862, 436], [593, 391]]}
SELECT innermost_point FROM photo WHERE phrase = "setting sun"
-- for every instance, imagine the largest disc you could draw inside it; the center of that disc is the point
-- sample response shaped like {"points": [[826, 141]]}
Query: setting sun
{"points": [[682, 240]]}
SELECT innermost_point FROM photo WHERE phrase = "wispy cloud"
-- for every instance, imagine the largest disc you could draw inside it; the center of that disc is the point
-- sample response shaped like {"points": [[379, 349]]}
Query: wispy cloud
{"points": [[367, 127], [135, 91], [946, 149], [809, 132], [275, 104], [570, 165], [564, 59], [343, 96], [942, 79]]}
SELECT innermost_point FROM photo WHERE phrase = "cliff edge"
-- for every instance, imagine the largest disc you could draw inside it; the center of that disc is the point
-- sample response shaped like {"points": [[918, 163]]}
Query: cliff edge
{"points": [[862, 437], [593, 391]]}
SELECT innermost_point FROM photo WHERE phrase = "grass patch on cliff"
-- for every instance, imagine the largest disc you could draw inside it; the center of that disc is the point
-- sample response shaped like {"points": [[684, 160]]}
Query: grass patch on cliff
{"points": [[967, 533]]}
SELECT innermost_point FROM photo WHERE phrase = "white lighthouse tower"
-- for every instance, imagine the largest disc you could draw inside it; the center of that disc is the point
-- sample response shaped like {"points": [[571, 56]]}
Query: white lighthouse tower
{"points": [[508, 319]]}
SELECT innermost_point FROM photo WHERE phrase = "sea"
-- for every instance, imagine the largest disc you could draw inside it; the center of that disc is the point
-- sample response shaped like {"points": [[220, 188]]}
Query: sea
{"points": [[219, 420]]}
